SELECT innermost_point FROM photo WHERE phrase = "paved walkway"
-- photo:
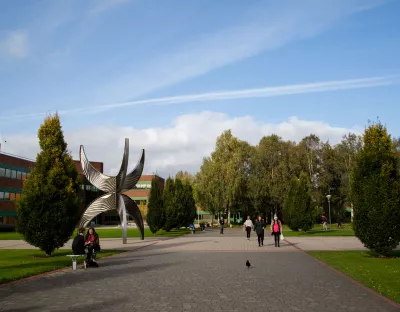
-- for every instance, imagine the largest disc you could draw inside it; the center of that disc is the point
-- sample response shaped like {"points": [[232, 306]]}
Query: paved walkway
{"points": [[196, 272]]}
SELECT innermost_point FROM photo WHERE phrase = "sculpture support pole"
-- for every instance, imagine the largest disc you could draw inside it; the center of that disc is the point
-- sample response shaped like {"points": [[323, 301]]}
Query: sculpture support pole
{"points": [[123, 222]]}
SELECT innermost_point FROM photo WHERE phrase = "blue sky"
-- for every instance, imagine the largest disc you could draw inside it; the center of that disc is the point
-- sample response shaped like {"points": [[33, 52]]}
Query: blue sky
{"points": [[78, 57]]}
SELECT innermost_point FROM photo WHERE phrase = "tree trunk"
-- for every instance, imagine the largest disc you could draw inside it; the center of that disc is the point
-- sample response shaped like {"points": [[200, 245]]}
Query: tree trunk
{"points": [[228, 222]]}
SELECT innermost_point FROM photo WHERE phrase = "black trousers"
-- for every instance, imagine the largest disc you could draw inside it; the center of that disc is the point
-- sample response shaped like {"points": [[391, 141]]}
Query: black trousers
{"points": [[90, 250], [277, 237], [221, 229], [248, 230], [260, 237]]}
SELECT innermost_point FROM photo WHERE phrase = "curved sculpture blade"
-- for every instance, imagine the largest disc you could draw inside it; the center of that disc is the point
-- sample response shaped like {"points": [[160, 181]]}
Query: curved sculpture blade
{"points": [[103, 203], [135, 213], [101, 181], [133, 177], [121, 176]]}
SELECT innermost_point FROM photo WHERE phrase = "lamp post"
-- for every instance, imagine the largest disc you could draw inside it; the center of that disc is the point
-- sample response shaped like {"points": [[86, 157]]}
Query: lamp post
{"points": [[329, 205]]}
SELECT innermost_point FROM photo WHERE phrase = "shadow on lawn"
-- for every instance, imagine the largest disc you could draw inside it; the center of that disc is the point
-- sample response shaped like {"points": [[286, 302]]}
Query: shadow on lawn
{"points": [[395, 254]]}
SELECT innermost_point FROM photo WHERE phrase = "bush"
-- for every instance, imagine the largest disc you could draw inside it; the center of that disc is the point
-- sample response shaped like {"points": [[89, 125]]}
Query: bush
{"points": [[49, 209], [155, 212], [297, 208], [375, 192]]}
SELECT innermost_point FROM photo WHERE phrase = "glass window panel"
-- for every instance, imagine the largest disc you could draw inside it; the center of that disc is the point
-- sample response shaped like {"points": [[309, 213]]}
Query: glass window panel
{"points": [[2, 172], [1, 195], [18, 196], [19, 175], [8, 173], [6, 195], [1, 220], [12, 196], [23, 175], [13, 174]]}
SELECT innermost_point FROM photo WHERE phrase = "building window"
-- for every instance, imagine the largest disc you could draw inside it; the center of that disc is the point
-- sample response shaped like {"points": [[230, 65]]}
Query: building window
{"points": [[23, 175], [2, 172], [6, 196], [8, 173], [1, 195], [1, 220], [19, 175]]}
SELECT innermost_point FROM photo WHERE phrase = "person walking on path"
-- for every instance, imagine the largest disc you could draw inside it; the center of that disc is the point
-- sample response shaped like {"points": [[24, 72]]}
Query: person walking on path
{"points": [[276, 230], [221, 225], [249, 225], [324, 227], [259, 229]]}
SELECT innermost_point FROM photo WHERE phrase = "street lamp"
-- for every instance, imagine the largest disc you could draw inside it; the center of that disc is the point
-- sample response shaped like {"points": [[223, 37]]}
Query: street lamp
{"points": [[329, 205]]}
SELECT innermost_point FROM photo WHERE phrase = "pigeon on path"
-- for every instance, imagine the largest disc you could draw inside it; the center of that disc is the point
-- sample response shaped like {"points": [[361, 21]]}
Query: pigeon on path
{"points": [[248, 264]]}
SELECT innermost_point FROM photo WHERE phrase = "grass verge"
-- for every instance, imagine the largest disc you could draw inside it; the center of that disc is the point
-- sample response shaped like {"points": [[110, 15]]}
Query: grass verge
{"points": [[108, 233], [17, 264], [379, 274], [317, 231]]}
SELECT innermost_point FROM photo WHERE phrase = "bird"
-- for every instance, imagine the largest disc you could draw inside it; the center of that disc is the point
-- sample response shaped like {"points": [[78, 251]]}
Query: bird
{"points": [[248, 264]]}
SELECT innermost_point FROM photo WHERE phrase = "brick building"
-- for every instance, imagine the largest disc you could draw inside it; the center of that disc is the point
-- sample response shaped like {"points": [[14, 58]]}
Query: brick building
{"points": [[14, 170]]}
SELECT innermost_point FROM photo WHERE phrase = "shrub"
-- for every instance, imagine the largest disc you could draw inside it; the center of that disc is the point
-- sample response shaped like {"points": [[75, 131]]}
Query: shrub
{"points": [[375, 191], [49, 209]]}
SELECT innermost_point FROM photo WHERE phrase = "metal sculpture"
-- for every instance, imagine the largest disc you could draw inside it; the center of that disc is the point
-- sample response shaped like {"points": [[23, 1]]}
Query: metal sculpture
{"points": [[113, 186]]}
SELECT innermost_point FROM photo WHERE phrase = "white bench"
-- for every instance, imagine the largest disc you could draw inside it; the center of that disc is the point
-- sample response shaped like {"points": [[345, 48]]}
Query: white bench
{"points": [[74, 259]]}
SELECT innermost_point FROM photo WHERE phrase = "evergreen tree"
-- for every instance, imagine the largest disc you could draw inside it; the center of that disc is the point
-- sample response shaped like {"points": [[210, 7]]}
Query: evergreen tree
{"points": [[375, 191], [180, 205], [155, 209], [190, 211], [171, 218], [49, 210], [298, 211]]}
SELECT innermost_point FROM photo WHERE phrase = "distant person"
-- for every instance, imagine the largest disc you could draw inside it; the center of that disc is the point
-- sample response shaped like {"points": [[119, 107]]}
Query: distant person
{"points": [[259, 229], [324, 227], [221, 225], [339, 223], [249, 225], [276, 230]]}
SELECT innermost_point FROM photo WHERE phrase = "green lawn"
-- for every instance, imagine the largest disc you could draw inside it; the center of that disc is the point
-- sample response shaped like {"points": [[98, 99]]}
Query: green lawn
{"points": [[17, 264], [109, 233], [317, 231], [380, 274]]}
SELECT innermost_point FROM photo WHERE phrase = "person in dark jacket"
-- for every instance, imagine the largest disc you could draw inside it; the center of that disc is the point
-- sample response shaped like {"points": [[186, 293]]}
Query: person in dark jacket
{"points": [[221, 225], [259, 229], [78, 244]]}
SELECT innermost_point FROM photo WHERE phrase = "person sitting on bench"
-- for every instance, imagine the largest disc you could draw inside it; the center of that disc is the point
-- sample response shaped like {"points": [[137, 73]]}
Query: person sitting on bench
{"points": [[78, 244], [92, 244]]}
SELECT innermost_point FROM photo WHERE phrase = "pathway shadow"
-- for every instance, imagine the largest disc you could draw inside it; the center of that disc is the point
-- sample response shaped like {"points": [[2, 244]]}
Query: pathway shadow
{"points": [[67, 279], [171, 245], [28, 309]]}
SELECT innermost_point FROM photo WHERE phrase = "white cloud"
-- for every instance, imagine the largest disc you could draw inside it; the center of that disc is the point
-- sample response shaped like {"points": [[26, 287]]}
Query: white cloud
{"points": [[179, 147], [265, 92], [15, 45]]}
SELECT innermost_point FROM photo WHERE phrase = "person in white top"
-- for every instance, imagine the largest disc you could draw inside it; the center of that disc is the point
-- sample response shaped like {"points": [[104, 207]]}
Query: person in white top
{"points": [[248, 224]]}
